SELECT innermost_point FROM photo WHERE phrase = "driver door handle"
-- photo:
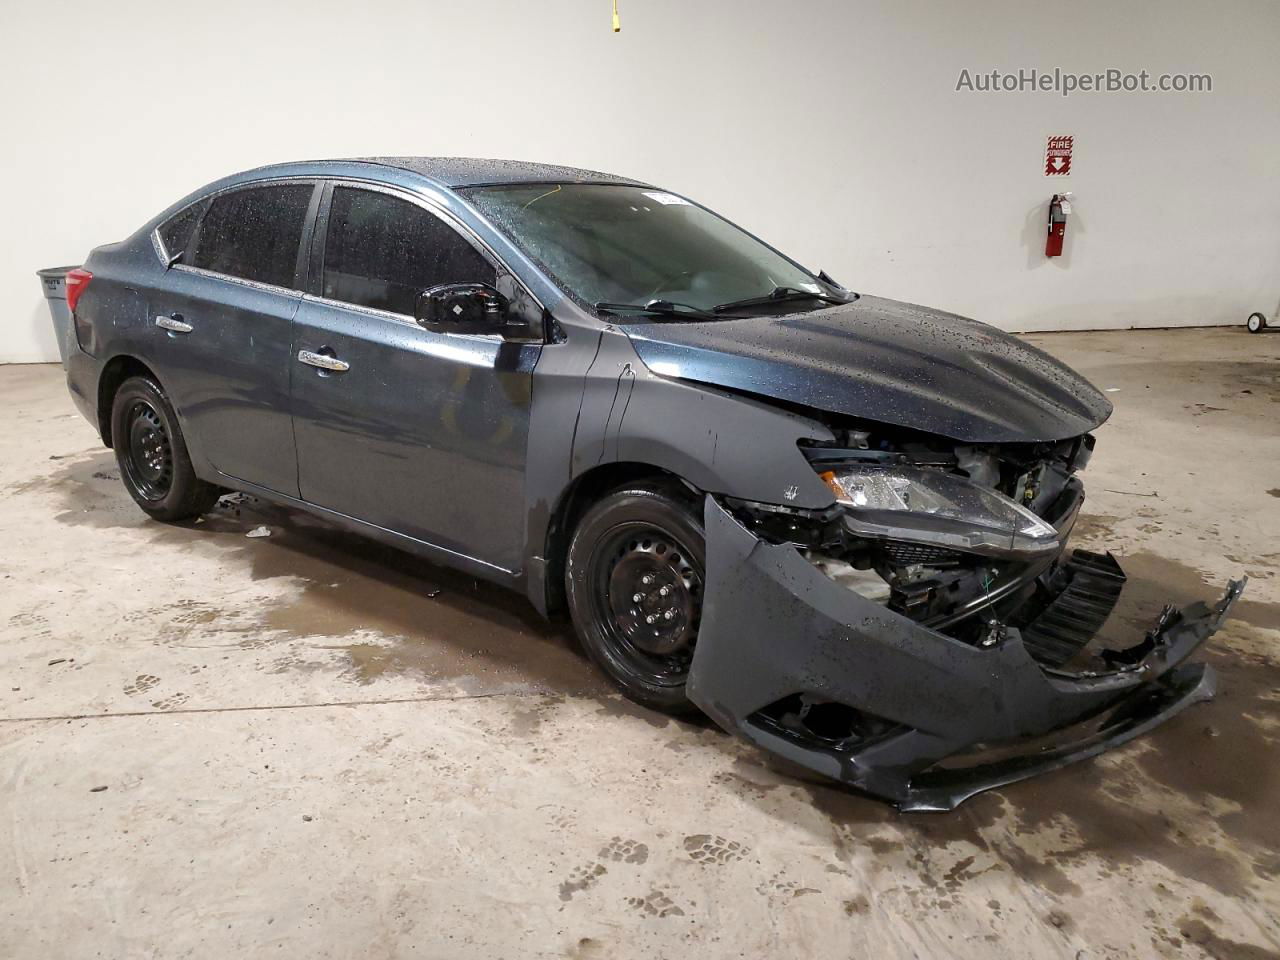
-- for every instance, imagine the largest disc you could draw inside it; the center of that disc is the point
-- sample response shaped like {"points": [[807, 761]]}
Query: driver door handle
{"points": [[312, 359], [174, 323]]}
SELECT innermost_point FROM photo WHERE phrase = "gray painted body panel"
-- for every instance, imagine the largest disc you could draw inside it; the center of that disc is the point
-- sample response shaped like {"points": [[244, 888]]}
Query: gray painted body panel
{"points": [[888, 362], [425, 434], [229, 376], [711, 439]]}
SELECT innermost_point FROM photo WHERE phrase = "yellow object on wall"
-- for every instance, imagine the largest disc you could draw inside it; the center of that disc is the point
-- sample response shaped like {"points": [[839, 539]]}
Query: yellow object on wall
{"points": [[617, 24]]}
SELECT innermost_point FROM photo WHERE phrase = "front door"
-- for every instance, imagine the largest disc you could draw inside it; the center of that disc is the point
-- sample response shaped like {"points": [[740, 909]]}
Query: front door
{"points": [[424, 434], [222, 332]]}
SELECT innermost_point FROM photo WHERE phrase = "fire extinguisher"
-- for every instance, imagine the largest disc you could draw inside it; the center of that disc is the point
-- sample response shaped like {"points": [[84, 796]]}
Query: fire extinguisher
{"points": [[1059, 210]]}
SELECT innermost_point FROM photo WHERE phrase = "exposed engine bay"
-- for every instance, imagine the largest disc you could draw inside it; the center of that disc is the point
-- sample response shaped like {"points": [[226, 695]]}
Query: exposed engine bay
{"points": [[935, 572]]}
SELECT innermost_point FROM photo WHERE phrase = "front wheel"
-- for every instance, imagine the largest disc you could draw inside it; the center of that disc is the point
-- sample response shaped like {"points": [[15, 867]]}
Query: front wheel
{"points": [[152, 454], [634, 577], [1256, 323]]}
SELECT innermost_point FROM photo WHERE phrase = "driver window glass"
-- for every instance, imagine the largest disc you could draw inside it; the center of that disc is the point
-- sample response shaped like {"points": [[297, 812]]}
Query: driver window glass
{"points": [[381, 251]]}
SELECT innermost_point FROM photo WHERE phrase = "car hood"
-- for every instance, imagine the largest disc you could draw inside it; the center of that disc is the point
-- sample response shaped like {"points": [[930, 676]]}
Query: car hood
{"points": [[885, 361]]}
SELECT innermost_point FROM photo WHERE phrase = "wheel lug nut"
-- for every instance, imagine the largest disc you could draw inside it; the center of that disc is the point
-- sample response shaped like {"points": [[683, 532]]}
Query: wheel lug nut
{"points": [[637, 597], [650, 618], [647, 579], [668, 615], [664, 591]]}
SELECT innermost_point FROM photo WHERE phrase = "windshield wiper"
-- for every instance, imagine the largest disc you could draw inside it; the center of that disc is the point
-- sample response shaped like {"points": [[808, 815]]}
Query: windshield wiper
{"points": [[658, 308], [778, 295]]}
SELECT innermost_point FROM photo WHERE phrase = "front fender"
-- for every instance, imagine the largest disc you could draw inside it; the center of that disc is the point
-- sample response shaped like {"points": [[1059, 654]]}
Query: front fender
{"points": [[720, 442]]}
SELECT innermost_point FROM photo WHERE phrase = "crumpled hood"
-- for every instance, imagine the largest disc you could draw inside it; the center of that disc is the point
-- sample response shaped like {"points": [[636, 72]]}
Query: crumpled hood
{"points": [[886, 361]]}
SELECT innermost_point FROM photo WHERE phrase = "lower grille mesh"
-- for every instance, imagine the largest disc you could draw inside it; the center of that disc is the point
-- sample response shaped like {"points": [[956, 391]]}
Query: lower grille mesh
{"points": [[1067, 624], [911, 553]]}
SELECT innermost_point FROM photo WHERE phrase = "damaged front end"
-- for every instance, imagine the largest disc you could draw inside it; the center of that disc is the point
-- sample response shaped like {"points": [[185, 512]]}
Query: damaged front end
{"points": [[928, 637]]}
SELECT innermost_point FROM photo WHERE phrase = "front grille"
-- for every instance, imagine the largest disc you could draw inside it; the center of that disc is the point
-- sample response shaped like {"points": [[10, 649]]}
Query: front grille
{"points": [[907, 554]]}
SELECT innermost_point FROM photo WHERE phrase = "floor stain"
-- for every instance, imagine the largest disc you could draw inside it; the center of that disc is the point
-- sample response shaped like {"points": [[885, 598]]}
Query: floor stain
{"points": [[582, 878], [1090, 527], [141, 684], [408, 617], [625, 851], [1203, 936], [1152, 577], [656, 904], [707, 849]]}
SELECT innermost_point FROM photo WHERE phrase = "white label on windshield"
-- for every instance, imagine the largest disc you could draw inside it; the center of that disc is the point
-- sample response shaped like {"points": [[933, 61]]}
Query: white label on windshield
{"points": [[666, 199]]}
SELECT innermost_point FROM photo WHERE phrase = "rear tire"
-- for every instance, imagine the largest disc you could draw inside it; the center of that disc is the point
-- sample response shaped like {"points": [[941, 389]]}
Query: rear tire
{"points": [[152, 454], [634, 576]]}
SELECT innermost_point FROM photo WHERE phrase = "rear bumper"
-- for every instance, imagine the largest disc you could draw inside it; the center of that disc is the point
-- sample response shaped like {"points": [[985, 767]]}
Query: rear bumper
{"points": [[83, 373], [776, 631]]}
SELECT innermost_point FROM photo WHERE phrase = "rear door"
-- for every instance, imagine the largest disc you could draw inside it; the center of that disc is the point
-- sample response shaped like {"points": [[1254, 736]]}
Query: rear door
{"points": [[222, 329], [421, 433]]}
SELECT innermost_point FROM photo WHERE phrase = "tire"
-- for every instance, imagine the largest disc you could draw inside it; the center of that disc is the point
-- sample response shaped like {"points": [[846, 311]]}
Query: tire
{"points": [[1256, 323], [622, 619], [152, 454]]}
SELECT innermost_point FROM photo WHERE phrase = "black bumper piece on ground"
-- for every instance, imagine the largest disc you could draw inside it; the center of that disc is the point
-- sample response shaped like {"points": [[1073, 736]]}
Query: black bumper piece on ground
{"points": [[839, 684]]}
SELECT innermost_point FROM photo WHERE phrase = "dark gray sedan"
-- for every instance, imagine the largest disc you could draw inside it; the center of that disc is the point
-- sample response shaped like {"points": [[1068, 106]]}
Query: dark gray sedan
{"points": [[834, 523]]}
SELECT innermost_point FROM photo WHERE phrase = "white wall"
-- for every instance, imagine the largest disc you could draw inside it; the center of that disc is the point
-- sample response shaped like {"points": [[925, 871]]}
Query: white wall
{"points": [[832, 129]]}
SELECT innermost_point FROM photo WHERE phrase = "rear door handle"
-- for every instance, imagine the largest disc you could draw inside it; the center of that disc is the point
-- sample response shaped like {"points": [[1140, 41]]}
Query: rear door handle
{"points": [[174, 323], [322, 361]]}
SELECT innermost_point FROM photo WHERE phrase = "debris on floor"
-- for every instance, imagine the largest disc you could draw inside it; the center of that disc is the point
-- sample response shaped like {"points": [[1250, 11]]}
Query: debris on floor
{"points": [[259, 532]]}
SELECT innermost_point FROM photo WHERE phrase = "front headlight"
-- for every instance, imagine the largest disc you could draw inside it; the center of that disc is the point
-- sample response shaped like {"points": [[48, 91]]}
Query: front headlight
{"points": [[910, 503]]}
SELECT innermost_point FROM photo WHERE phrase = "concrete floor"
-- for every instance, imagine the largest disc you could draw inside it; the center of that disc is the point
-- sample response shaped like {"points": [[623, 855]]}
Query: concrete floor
{"points": [[309, 745]]}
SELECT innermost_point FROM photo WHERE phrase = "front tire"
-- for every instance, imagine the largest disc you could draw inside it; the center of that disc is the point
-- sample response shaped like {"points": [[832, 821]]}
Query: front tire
{"points": [[634, 576], [1256, 323], [152, 454]]}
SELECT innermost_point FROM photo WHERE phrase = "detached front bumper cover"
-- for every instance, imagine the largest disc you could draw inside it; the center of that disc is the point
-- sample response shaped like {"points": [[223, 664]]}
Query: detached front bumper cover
{"points": [[944, 720]]}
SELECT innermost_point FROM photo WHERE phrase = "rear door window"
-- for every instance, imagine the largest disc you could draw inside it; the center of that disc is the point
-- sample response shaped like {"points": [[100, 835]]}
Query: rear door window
{"points": [[254, 233], [381, 251]]}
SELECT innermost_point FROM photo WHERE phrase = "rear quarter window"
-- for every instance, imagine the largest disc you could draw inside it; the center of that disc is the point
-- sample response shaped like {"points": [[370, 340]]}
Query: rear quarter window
{"points": [[175, 233], [254, 233]]}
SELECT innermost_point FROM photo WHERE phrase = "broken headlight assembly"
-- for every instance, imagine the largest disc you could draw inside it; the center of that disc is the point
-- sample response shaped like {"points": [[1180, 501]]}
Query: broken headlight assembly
{"points": [[915, 504]]}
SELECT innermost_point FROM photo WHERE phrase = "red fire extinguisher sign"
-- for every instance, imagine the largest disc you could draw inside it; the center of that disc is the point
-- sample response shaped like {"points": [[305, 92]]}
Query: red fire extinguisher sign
{"points": [[1057, 156]]}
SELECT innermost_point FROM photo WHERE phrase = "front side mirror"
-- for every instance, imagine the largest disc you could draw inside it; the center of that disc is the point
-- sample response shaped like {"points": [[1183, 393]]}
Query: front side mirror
{"points": [[461, 308]]}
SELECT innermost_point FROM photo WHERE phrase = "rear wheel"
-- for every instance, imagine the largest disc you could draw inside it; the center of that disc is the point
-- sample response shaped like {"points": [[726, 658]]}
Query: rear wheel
{"points": [[154, 464], [634, 578], [1256, 323]]}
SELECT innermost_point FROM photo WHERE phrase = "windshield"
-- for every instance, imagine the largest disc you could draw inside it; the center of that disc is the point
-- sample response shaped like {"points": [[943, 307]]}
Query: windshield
{"points": [[632, 245]]}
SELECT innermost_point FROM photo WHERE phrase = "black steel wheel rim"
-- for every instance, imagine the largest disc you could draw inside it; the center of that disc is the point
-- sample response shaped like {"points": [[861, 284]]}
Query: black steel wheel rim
{"points": [[149, 462], [646, 593]]}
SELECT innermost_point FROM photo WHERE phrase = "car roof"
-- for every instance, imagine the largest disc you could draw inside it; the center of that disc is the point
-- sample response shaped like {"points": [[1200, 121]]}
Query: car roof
{"points": [[475, 171]]}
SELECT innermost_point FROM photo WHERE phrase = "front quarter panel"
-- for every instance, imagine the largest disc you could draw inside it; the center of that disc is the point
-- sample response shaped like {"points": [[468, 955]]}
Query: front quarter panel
{"points": [[720, 442]]}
